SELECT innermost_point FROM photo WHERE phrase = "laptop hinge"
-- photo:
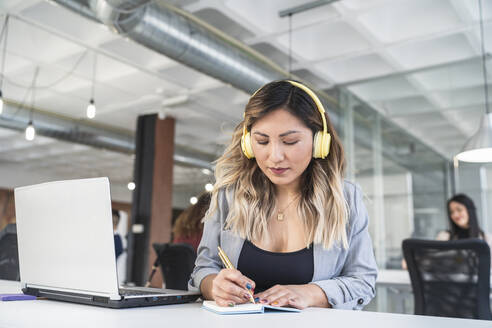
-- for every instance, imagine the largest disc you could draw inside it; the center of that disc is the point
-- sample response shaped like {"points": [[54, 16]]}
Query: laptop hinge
{"points": [[110, 296]]}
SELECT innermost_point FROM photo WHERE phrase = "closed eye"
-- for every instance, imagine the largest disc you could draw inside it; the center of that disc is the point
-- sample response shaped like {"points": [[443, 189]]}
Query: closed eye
{"points": [[285, 142]]}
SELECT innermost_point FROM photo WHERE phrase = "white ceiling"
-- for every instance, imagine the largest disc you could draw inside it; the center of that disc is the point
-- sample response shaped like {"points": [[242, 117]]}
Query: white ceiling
{"points": [[415, 61]]}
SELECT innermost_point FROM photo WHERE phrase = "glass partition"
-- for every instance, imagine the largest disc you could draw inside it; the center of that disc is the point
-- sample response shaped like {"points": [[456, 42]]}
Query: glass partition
{"points": [[405, 185]]}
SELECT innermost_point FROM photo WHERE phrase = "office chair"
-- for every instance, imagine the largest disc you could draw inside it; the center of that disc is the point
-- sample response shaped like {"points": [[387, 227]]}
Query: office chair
{"points": [[9, 256], [176, 262], [450, 278]]}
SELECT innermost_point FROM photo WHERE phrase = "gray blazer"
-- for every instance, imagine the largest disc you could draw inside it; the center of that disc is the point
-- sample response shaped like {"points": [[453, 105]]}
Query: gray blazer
{"points": [[347, 276]]}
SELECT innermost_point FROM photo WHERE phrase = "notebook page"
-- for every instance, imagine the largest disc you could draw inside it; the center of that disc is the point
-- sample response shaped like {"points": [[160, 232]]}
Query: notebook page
{"points": [[240, 308], [244, 308]]}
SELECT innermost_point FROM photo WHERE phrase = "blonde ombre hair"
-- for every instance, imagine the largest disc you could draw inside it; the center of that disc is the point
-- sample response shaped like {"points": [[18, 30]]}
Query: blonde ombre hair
{"points": [[322, 205]]}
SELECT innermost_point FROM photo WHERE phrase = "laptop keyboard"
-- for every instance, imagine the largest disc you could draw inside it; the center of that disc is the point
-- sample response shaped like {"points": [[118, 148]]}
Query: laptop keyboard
{"points": [[132, 292]]}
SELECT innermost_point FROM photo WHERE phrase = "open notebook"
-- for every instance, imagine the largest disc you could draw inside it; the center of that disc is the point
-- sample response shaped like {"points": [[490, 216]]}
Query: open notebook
{"points": [[244, 308]]}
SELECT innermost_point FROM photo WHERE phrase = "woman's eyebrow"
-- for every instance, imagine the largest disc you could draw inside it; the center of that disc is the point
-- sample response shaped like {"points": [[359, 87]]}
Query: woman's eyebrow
{"points": [[288, 132], [261, 134], [280, 135]]}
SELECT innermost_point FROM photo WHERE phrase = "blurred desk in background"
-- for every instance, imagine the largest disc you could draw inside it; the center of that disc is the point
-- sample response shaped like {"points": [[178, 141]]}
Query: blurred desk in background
{"points": [[394, 292], [394, 278]]}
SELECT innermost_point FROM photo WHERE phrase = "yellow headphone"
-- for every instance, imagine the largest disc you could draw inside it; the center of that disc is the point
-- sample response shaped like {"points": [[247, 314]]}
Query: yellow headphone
{"points": [[322, 139]]}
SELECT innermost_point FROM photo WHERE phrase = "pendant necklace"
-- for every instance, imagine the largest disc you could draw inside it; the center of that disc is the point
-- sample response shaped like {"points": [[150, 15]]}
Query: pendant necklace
{"points": [[280, 214]]}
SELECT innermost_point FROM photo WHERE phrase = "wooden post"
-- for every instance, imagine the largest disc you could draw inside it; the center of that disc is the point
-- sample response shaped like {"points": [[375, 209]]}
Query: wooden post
{"points": [[152, 197], [162, 190]]}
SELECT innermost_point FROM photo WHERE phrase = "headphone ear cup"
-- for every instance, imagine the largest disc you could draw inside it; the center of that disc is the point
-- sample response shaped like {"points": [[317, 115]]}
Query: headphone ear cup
{"points": [[326, 144], [321, 144], [246, 145], [317, 144]]}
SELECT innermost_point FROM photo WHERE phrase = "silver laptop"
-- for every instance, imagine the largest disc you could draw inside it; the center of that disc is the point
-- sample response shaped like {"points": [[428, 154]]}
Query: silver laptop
{"points": [[66, 247]]}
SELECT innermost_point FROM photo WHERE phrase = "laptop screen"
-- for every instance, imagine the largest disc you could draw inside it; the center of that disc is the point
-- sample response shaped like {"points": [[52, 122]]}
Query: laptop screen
{"points": [[65, 236]]}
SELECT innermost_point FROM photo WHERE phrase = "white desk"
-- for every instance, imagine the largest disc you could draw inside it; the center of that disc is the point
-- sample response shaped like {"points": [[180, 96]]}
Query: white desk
{"points": [[43, 313], [393, 278], [401, 279]]}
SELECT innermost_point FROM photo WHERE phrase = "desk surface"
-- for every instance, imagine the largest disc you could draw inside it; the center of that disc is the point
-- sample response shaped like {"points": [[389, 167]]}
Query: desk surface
{"points": [[393, 278], [43, 313]]}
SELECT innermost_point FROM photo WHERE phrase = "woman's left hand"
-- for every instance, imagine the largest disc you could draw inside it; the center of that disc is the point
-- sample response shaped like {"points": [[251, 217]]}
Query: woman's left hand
{"points": [[297, 296]]}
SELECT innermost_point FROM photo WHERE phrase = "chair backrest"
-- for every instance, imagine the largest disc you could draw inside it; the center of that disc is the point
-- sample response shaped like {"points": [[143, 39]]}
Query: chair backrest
{"points": [[176, 262], [450, 278], [9, 256]]}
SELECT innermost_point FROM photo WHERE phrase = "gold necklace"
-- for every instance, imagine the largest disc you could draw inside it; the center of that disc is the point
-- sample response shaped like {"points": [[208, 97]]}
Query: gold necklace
{"points": [[280, 214]]}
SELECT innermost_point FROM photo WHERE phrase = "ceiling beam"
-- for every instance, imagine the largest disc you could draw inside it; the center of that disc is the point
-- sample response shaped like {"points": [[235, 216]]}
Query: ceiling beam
{"points": [[304, 7]]}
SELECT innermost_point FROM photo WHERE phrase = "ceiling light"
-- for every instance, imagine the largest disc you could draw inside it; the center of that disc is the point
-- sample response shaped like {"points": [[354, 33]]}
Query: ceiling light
{"points": [[193, 200], [209, 187], [478, 149], [206, 171], [175, 101], [91, 109], [131, 185], [30, 132]]}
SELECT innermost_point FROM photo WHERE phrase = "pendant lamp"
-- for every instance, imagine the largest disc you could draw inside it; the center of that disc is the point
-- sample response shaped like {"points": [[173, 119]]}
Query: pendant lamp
{"points": [[478, 149]]}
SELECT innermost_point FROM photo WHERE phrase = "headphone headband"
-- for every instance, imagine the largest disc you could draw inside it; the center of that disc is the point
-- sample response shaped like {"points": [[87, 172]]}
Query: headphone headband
{"points": [[316, 100]]}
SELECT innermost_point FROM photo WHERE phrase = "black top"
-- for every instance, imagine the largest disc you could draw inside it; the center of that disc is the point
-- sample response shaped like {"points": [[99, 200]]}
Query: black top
{"points": [[118, 245], [267, 269]]}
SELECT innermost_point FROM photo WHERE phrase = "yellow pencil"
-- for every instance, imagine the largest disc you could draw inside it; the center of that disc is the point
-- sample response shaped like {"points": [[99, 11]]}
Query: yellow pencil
{"points": [[228, 265]]}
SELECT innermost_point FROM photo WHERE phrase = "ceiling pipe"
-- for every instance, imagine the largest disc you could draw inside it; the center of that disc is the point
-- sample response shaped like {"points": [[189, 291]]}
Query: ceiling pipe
{"points": [[182, 37], [80, 7], [16, 117]]}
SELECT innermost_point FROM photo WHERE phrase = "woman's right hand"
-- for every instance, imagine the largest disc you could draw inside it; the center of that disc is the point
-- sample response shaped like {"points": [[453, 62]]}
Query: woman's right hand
{"points": [[230, 287]]}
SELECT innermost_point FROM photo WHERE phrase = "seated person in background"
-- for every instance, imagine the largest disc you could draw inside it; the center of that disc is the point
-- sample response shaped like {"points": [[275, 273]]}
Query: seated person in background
{"points": [[463, 222], [118, 243], [282, 213], [11, 226], [7, 211], [188, 227], [9, 259]]}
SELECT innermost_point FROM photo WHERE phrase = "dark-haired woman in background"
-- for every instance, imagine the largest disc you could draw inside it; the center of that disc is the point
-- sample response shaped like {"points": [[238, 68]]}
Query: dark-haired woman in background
{"points": [[463, 222]]}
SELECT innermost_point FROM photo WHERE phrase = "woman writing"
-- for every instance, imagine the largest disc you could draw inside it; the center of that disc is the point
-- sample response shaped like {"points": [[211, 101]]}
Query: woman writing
{"points": [[295, 231]]}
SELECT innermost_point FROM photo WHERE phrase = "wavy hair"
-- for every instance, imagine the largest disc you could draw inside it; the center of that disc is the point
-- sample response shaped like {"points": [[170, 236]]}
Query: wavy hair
{"points": [[322, 205], [189, 222]]}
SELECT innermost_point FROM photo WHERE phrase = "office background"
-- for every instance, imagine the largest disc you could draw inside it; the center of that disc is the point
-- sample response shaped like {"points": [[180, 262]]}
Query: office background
{"points": [[402, 81]]}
